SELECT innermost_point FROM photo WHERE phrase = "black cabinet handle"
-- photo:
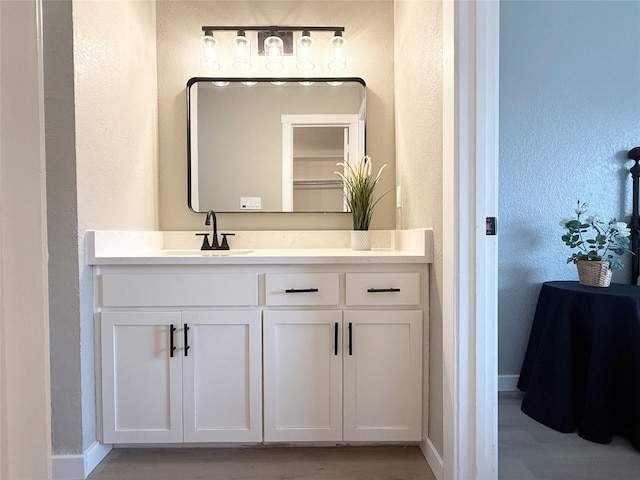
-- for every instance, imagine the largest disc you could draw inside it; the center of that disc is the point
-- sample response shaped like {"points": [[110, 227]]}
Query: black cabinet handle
{"points": [[301, 290], [350, 337], [335, 339], [382, 290], [172, 347], [186, 340]]}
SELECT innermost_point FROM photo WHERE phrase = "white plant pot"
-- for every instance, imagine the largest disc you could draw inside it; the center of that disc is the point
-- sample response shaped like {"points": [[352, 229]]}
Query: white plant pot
{"points": [[360, 240]]}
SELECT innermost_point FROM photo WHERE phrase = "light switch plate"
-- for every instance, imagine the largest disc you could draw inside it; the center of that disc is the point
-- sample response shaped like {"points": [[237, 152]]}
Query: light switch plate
{"points": [[250, 203]]}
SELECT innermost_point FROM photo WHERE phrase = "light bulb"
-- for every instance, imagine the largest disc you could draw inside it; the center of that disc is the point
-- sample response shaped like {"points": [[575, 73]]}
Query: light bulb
{"points": [[304, 52], [274, 50], [209, 51], [241, 52], [337, 53]]}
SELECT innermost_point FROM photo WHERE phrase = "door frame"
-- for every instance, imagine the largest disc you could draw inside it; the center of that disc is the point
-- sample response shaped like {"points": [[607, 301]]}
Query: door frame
{"points": [[470, 161], [290, 121]]}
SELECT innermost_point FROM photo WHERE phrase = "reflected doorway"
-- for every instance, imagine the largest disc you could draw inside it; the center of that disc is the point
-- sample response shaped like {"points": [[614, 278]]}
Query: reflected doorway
{"points": [[312, 146]]}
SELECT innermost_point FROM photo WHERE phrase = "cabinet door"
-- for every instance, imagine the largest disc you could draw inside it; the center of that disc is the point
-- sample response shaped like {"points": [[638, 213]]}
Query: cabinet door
{"points": [[222, 376], [141, 381], [302, 376], [382, 375]]}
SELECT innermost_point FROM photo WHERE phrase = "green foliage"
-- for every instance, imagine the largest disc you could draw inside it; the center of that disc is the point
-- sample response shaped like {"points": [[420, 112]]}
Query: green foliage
{"points": [[594, 239], [358, 190]]}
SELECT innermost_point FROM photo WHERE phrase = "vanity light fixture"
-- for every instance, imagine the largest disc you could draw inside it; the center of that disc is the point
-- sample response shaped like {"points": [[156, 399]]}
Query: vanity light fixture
{"points": [[304, 52], [209, 50], [274, 51], [337, 52], [241, 51], [274, 42]]}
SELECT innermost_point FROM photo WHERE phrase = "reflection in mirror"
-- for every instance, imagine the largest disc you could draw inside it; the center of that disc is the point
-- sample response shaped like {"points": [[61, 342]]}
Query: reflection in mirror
{"points": [[272, 147]]}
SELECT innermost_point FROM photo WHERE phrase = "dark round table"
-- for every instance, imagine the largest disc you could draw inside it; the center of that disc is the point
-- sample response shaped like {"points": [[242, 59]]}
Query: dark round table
{"points": [[582, 364]]}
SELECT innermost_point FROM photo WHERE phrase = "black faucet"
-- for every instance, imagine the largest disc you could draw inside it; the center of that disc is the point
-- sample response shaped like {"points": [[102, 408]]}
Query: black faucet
{"points": [[214, 243]]}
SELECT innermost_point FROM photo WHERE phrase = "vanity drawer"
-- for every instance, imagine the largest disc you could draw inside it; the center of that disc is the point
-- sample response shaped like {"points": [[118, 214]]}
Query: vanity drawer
{"points": [[178, 289], [302, 289], [383, 288]]}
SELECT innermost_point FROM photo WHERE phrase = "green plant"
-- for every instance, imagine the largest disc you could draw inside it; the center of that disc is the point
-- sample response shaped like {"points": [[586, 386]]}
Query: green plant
{"points": [[595, 239], [358, 190]]}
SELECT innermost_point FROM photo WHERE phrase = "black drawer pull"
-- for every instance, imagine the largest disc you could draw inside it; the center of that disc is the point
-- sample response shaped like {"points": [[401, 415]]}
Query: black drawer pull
{"points": [[382, 290], [350, 336], [186, 340], [335, 339], [301, 290], [172, 347]]}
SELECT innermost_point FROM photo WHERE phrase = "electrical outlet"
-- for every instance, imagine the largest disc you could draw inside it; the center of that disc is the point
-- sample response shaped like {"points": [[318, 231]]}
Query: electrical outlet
{"points": [[250, 203], [399, 196]]}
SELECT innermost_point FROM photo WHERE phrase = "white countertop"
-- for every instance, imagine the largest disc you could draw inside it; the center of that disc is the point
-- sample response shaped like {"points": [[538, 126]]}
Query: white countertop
{"points": [[177, 248]]}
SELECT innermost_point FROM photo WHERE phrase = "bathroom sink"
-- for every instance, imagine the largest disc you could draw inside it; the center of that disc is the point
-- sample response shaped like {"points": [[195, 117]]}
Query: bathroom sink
{"points": [[205, 253]]}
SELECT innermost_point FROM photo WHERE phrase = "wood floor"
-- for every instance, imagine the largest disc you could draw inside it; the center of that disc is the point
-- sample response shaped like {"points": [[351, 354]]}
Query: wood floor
{"points": [[530, 451], [527, 451], [265, 463]]}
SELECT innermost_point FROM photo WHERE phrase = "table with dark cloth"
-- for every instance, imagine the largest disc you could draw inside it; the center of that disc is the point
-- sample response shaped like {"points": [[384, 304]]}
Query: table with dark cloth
{"points": [[582, 365]]}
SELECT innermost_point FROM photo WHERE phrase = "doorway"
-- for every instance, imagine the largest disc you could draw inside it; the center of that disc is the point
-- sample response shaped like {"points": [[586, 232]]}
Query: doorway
{"points": [[312, 145]]}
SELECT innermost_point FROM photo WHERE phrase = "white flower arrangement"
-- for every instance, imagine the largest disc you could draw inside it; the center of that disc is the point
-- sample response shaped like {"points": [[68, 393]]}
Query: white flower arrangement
{"points": [[595, 239]]}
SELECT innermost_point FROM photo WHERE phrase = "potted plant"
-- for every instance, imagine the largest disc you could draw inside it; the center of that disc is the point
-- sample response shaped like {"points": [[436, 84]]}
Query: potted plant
{"points": [[359, 184], [599, 246]]}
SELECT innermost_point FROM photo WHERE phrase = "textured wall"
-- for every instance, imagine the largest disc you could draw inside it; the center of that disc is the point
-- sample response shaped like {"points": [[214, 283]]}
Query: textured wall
{"points": [[25, 422], [62, 218], [116, 142], [418, 112], [569, 103], [369, 32]]}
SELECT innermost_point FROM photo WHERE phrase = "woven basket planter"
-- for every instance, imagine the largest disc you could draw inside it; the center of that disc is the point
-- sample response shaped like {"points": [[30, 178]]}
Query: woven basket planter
{"points": [[594, 273]]}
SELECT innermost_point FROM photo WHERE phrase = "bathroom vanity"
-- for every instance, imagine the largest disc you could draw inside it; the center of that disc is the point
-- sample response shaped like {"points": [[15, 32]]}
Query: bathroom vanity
{"points": [[288, 344]]}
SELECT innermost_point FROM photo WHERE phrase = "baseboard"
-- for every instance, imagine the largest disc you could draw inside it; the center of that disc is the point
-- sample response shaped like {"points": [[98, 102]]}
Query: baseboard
{"points": [[508, 383], [433, 458], [78, 467]]}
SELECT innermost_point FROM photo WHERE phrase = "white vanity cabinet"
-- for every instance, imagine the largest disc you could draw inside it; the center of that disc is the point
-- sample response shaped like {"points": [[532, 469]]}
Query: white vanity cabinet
{"points": [[348, 374], [302, 350], [173, 376], [382, 375], [141, 382], [302, 375]]}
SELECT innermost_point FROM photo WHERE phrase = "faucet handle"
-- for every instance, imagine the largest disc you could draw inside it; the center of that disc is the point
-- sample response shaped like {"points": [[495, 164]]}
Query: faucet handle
{"points": [[225, 244], [205, 241]]}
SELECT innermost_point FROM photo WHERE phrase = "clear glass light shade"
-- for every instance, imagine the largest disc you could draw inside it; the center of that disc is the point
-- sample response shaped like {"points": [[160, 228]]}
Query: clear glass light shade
{"points": [[274, 51], [209, 51], [337, 53], [241, 53], [304, 53]]}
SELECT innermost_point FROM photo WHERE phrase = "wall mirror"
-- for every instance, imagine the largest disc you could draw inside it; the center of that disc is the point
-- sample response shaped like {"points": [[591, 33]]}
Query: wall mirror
{"points": [[271, 145]]}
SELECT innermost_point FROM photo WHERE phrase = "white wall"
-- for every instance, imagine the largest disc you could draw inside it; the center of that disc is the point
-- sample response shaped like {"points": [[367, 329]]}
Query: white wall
{"points": [[25, 421], [569, 103], [369, 33], [101, 109], [418, 113]]}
